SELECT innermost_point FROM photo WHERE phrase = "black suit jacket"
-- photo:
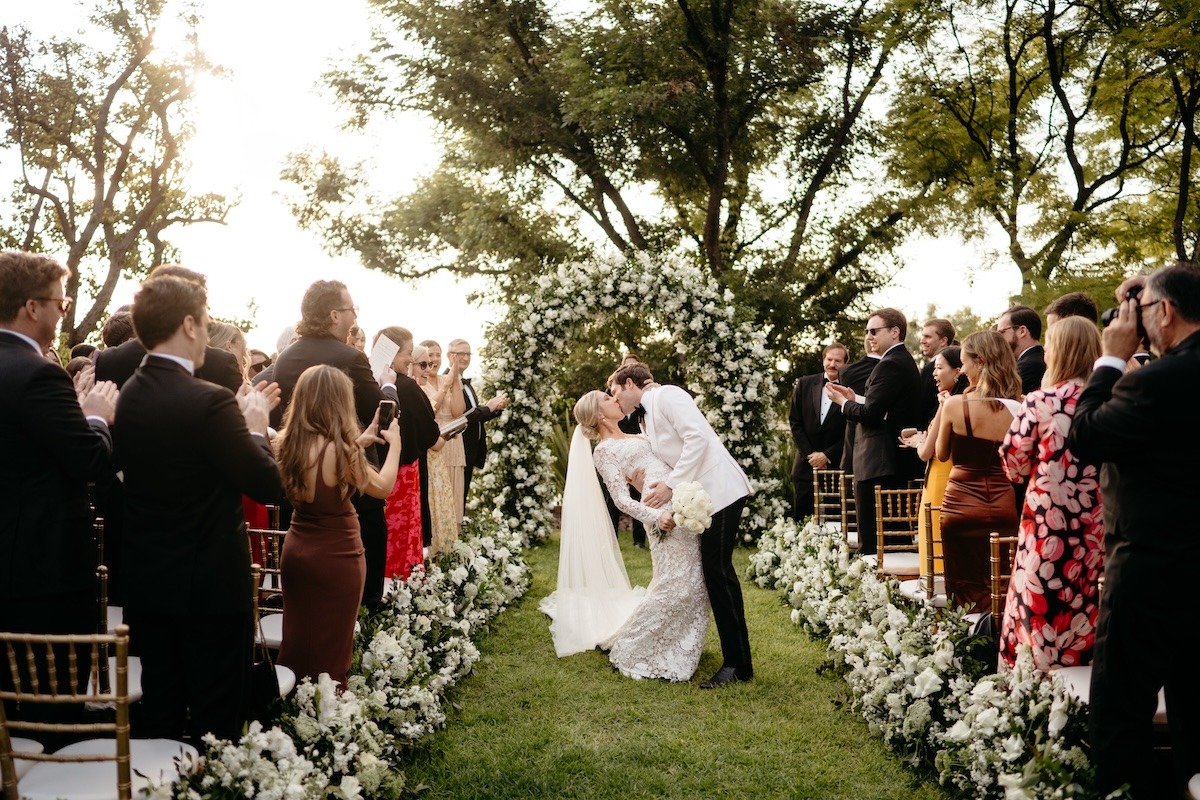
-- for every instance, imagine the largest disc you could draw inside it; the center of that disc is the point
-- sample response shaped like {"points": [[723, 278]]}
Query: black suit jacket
{"points": [[808, 431], [474, 436], [117, 364], [48, 453], [893, 396], [1031, 366], [187, 459], [855, 376], [929, 394], [308, 351], [1143, 425]]}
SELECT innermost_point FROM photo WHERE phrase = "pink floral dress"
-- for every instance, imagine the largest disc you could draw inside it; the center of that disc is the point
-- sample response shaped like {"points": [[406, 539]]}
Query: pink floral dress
{"points": [[1052, 599]]}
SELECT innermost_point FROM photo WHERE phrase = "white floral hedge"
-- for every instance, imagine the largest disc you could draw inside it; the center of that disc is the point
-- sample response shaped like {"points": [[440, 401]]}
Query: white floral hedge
{"points": [[911, 674], [729, 370], [331, 744]]}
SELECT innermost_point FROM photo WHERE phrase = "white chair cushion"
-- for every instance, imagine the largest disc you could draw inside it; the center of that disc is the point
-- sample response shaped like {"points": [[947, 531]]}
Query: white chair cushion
{"points": [[134, 680], [116, 615], [902, 563], [852, 538], [914, 590], [20, 745], [97, 780], [286, 678], [1078, 682], [272, 631]]}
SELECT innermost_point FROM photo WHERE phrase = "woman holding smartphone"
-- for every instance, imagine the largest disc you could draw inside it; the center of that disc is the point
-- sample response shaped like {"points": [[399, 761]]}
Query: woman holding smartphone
{"points": [[322, 461]]}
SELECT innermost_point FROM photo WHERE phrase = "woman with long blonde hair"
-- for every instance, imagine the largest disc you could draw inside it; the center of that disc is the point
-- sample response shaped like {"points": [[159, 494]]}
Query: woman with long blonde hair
{"points": [[979, 498], [321, 459], [1053, 602]]}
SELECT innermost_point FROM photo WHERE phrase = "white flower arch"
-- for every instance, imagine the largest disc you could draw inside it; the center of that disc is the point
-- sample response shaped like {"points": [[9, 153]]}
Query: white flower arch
{"points": [[728, 370]]}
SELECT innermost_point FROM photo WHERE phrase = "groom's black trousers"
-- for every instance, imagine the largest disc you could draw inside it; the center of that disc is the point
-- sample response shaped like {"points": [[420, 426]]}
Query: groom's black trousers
{"points": [[724, 590]]}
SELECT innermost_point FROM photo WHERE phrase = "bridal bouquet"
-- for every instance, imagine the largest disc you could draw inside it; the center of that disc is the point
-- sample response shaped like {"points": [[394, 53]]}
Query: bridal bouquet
{"points": [[692, 507]]}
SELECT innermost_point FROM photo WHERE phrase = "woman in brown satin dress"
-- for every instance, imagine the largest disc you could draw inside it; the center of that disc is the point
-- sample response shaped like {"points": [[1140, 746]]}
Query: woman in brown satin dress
{"points": [[321, 459], [979, 498]]}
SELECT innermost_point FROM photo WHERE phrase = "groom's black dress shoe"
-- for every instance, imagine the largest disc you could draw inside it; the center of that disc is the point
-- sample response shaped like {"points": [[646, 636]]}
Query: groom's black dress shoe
{"points": [[726, 675]]}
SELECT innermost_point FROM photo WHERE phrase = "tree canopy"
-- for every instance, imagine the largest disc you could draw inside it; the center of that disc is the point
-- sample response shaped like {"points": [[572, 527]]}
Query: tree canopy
{"points": [[98, 125]]}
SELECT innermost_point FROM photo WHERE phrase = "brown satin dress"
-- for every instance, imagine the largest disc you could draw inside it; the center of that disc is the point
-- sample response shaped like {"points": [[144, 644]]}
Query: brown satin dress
{"points": [[979, 499], [323, 572]]}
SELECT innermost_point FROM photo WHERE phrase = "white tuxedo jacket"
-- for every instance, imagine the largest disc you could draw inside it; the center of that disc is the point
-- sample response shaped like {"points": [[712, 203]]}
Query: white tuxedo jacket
{"points": [[681, 436]]}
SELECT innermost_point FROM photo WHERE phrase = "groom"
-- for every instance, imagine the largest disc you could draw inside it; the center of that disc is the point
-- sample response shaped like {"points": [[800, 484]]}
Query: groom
{"points": [[681, 436]]}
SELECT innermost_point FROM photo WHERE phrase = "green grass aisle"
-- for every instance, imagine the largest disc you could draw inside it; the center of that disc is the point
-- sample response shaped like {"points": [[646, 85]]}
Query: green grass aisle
{"points": [[528, 724]]}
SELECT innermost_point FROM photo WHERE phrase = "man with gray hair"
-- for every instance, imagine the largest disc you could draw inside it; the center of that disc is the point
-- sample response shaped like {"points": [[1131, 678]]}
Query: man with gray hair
{"points": [[474, 438], [1142, 425]]}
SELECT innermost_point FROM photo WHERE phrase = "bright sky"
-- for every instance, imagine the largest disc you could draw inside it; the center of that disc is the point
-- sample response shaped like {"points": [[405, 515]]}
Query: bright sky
{"points": [[273, 105]]}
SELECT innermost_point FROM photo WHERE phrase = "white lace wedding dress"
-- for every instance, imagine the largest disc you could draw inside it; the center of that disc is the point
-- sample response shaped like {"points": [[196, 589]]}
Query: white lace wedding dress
{"points": [[665, 635]]}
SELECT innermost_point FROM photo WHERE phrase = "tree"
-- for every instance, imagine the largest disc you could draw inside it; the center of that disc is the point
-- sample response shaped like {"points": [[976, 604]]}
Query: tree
{"points": [[1036, 117], [739, 129], [99, 129]]}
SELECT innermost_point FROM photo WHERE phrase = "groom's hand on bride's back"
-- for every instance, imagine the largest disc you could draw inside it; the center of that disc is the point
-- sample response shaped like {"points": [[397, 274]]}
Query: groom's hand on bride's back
{"points": [[656, 494]]}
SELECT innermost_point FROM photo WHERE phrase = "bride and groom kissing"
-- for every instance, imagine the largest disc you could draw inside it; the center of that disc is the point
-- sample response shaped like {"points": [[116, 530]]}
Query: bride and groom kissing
{"points": [[659, 631]]}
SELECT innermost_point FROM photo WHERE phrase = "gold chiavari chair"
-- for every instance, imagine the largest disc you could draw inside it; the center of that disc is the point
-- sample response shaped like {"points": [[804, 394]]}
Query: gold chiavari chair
{"points": [[44, 669], [896, 515], [849, 513], [283, 675], [269, 586], [1004, 553], [827, 496]]}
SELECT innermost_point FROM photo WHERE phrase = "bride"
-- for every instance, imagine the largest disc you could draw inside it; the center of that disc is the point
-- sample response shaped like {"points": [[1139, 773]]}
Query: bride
{"points": [[663, 637]]}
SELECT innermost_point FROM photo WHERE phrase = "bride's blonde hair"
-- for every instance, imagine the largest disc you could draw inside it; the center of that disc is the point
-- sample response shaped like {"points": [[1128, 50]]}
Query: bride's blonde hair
{"points": [[587, 414]]}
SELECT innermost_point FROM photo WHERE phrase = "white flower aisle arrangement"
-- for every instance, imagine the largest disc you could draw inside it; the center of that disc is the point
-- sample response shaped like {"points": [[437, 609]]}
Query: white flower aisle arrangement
{"points": [[691, 507], [910, 672], [347, 744]]}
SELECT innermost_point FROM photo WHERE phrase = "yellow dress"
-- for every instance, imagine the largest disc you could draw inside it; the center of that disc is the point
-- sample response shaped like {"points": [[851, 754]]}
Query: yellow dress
{"points": [[935, 488], [445, 490]]}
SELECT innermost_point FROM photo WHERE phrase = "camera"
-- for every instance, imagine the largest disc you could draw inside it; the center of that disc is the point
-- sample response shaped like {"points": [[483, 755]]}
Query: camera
{"points": [[1110, 314]]}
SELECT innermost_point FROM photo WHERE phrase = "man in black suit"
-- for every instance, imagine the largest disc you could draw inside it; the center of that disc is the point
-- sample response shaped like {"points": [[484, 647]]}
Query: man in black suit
{"points": [[855, 376], [818, 428], [117, 364], [1142, 425], [890, 404], [326, 315], [51, 444], [936, 336], [189, 450], [474, 436], [1021, 327]]}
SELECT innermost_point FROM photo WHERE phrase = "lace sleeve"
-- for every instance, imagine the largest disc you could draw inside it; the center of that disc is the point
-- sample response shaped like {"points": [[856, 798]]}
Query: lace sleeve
{"points": [[609, 468]]}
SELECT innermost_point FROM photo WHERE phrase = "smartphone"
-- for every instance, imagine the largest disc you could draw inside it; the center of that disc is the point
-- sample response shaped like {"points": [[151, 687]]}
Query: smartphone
{"points": [[907, 432], [387, 410]]}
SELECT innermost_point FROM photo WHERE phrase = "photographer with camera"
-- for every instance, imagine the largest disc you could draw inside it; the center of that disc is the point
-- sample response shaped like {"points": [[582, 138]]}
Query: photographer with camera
{"points": [[1142, 425]]}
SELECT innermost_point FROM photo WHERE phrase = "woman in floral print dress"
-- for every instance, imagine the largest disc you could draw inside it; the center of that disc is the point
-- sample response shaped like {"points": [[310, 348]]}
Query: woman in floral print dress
{"points": [[1052, 598]]}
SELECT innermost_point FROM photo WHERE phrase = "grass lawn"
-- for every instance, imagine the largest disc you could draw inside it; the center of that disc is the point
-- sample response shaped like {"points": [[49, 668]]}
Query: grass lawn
{"points": [[528, 724]]}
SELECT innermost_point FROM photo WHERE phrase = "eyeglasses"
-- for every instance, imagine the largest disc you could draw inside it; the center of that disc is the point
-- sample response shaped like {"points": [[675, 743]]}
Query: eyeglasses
{"points": [[1142, 306], [874, 331], [348, 308], [63, 302], [424, 364], [1004, 330]]}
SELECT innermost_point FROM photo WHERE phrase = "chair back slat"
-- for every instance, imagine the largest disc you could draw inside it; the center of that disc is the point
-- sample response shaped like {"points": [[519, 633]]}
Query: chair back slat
{"points": [[827, 495], [849, 513], [932, 541], [897, 512], [1003, 554]]}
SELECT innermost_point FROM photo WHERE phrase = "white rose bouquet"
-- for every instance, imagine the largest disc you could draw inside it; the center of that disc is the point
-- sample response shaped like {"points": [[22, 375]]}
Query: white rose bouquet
{"points": [[691, 507]]}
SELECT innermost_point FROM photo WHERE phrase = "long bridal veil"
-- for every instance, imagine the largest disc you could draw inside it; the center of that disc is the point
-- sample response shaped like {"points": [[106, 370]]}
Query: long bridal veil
{"points": [[593, 598]]}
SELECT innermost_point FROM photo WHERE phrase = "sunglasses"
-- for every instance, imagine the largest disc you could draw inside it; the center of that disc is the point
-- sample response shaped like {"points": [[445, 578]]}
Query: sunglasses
{"points": [[424, 364], [257, 368]]}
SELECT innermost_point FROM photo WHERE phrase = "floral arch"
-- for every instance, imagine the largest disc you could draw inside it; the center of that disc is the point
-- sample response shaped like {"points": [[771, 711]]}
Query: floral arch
{"points": [[729, 371]]}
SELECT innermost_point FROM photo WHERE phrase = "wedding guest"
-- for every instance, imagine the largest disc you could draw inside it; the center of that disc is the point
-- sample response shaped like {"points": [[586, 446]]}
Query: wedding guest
{"points": [[978, 497], [188, 450], [474, 437], [855, 375], [52, 442], [327, 313], [406, 509], [117, 364], [286, 338], [1142, 425], [357, 339], [890, 404], [447, 462], [77, 365], [228, 337], [118, 329], [1073, 304], [1022, 328], [322, 461], [936, 335], [818, 428], [947, 371], [1052, 598], [84, 350], [258, 362]]}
